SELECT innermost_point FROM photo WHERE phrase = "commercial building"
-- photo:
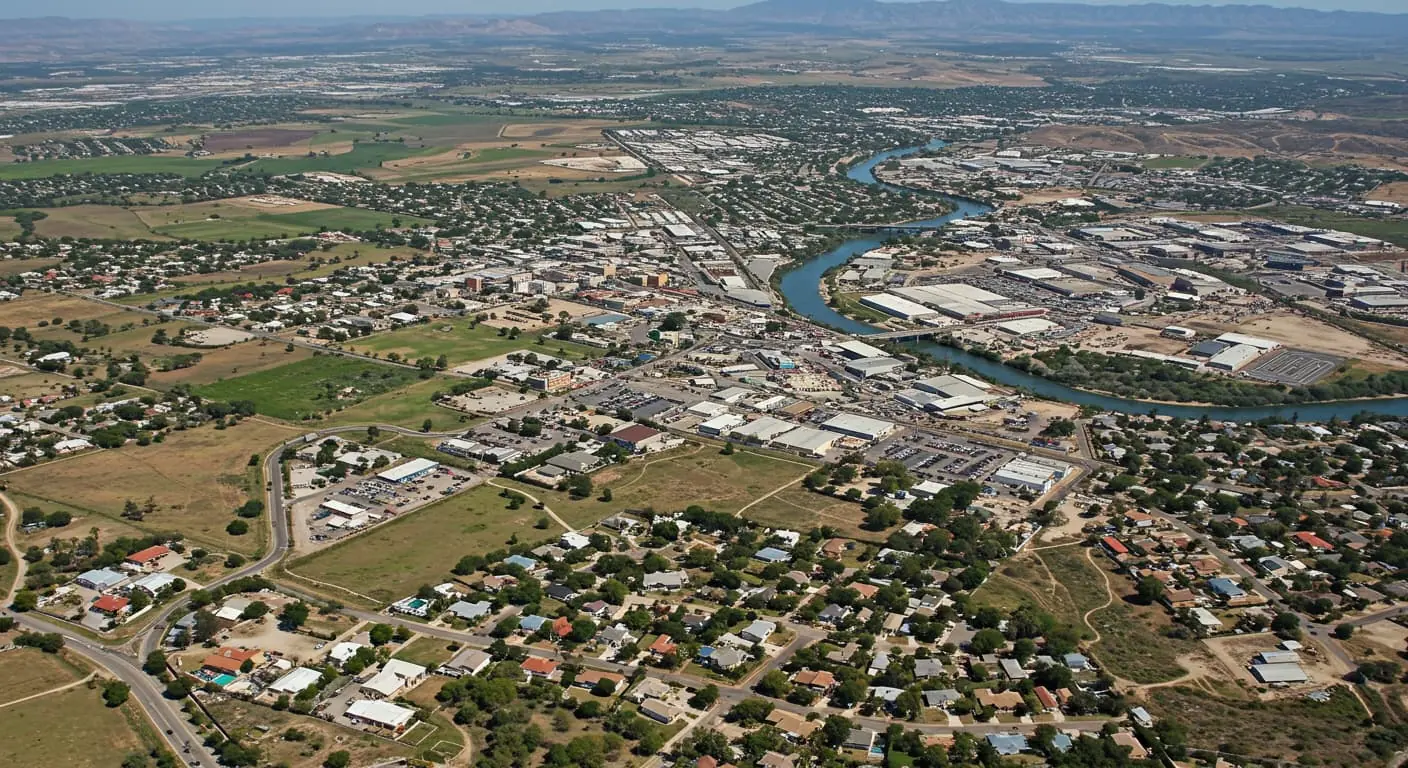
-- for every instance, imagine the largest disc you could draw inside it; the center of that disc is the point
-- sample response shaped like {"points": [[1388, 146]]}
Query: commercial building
{"points": [[411, 470], [1234, 358], [808, 441], [898, 306], [1285, 673], [637, 437], [857, 350], [873, 366]]}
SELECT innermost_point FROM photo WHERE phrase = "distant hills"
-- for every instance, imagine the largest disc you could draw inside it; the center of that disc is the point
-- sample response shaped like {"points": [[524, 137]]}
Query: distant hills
{"points": [[39, 39]]}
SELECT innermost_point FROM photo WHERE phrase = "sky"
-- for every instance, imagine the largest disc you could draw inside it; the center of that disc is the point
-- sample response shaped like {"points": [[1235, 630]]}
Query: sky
{"points": [[155, 10]]}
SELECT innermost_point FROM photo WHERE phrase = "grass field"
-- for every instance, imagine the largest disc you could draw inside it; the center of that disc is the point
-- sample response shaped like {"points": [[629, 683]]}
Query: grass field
{"points": [[27, 311], [197, 477], [672, 481], [184, 166], [258, 225], [1059, 581], [1287, 731], [264, 727], [217, 220], [426, 651], [408, 407], [801, 510], [310, 386], [71, 728], [396, 558], [9, 229], [461, 343], [33, 384]]}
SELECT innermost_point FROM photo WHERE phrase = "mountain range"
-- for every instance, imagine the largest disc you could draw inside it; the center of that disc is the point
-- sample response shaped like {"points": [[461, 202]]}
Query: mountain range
{"points": [[959, 20]]}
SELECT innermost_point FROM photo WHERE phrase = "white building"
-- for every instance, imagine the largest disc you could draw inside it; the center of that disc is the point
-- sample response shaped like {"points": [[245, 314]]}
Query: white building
{"points": [[1030, 473]]}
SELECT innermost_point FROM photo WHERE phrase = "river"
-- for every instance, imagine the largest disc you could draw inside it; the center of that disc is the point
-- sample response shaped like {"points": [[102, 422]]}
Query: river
{"points": [[802, 289]]}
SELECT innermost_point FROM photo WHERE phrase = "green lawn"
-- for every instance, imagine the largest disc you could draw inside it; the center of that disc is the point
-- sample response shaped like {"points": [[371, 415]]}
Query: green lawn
{"points": [[394, 559], [310, 386], [184, 166], [363, 155], [460, 343], [499, 154], [407, 407]]}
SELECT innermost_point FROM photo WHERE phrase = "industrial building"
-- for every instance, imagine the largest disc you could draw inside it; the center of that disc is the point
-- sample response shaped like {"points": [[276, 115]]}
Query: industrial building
{"points": [[806, 440], [855, 425], [968, 303], [1030, 473], [1234, 358], [898, 306], [873, 366]]}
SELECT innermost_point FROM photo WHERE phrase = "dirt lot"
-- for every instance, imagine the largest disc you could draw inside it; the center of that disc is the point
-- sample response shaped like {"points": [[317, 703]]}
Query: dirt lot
{"points": [[520, 317], [1299, 332], [1234, 654], [1395, 192]]}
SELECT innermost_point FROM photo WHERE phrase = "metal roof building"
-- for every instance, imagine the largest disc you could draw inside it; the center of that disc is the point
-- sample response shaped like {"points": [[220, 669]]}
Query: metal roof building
{"points": [[409, 471], [1283, 673], [856, 425]]}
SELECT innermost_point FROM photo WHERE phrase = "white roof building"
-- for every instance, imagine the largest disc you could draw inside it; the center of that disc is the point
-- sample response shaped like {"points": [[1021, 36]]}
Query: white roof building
{"points": [[409, 471], [380, 713], [856, 425], [812, 442], [296, 681]]}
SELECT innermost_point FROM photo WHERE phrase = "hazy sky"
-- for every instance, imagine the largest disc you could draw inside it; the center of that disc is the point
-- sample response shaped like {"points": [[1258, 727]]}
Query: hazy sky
{"points": [[183, 9]]}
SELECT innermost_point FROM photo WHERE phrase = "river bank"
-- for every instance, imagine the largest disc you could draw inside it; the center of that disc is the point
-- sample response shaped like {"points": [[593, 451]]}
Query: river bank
{"points": [[800, 286]]}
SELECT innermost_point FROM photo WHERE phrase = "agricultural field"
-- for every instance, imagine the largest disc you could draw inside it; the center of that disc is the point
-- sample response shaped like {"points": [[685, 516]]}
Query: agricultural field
{"points": [[270, 730], [196, 477], [175, 164], [460, 341], [9, 228], [697, 474], [311, 386], [396, 558], [19, 266], [363, 156], [1393, 230]]}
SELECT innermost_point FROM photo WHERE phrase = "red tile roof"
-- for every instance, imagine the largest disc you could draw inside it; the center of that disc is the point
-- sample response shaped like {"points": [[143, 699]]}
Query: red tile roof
{"points": [[110, 603], [561, 626], [539, 666], [1311, 540], [1114, 545], [145, 556]]}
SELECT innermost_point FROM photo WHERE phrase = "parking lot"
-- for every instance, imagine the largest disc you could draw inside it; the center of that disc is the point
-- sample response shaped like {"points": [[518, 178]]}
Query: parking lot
{"points": [[941, 460], [613, 397], [1294, 367], [380, 499]]}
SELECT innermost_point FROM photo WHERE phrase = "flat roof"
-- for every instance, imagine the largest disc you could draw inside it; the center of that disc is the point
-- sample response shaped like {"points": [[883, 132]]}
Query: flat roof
{"points": [[410, 468], [852, 423], [1279, 673], [381, 712]]}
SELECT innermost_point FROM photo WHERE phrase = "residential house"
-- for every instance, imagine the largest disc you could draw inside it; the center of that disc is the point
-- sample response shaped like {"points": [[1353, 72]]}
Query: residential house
{"points": [[470, 661]]}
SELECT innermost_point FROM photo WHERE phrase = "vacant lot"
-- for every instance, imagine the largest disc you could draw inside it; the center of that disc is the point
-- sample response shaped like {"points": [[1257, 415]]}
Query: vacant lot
{"points": [[314, 385], [256, 137], [71, 728], [394, 559], [1289, 730], [672, 481], [363, 156], [30, 309], [262, 726], [240, 220], [196, 477], [801, 510], [461, 343], [228, 362], [406, 407], [1059, 581], [27, 672]]}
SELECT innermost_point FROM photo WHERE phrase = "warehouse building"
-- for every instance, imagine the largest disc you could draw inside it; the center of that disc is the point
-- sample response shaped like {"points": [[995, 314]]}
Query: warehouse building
{"points": [[1234, 358], [763, 430], [873, 366], [855, 425], [898, 306], [411, 470], [807, 441], [1279, 674], [858, 350]]}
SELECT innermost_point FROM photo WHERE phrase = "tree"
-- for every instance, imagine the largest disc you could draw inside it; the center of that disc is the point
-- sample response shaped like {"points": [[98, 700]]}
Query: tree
{"points": [[254, 610], [1344, 631], [1285, 623], [1150, 590], [381, 634], [881, 517], [705, 697], [728, 449], [339, 759], [25, 600], [774, 684], [750, 711], [237, 528], [986, 641], [835, 730], [293, 616], [155, 664], [115, 693]]}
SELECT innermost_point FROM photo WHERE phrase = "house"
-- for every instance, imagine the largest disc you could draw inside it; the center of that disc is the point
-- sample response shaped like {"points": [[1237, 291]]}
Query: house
{"points": [[494, 584], [658, 711], [393, 677], [665, 581], [819, 680], [597, 608], [776, 760], [531, 624], [860, 738], [112, 605], [941, 699], [470, 612], [1311, 541], [759, 631], [590, 678], [792, 725], [470, 661], [650, 688], [560, 592], [1226, 589], [927, 668], [149, 558], [722, 659], [539, 667], [833, 614], [616, 637], [295, 681], [560, 627], [1045, 698], [1012, 669], [574, 541], [342, 652], [521, 561], [230, 660], [1003, 702], [772, 555], [664, 645], [1007, 744], [1137, 751], [154, 583], [380, 714]]}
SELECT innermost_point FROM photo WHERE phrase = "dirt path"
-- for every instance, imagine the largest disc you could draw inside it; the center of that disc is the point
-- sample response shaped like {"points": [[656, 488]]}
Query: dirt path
{"points": [[535, 500], [337, 587], [1109, 598], [645, 465], [61, 688], [12, 524], [769, 495]]}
